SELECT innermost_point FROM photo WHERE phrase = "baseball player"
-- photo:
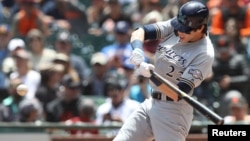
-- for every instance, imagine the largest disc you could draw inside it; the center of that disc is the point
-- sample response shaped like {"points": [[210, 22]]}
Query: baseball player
{"points": [[184, 57]]}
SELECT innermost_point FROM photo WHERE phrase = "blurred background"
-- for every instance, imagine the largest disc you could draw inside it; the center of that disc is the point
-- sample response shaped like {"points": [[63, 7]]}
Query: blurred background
{"points": [[73, 57]]}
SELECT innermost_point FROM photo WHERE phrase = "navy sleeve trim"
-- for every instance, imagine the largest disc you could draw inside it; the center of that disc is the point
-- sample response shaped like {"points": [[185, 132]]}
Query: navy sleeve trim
{"points": [[150, 32], [184, 87]]}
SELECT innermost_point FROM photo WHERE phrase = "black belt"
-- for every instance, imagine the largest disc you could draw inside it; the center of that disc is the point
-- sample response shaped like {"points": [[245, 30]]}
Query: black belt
{"points": [[160, 96]]}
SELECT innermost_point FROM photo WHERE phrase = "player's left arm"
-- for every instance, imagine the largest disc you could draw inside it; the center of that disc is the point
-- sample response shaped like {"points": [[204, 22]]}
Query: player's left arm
{"points": [[198, 71], [183, 86]]}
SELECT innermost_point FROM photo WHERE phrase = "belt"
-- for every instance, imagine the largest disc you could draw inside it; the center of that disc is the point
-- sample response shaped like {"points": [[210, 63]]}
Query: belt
{"points": [[160, 96]]}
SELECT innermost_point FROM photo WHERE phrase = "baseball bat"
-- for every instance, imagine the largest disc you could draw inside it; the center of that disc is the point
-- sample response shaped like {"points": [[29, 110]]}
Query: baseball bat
{"points": [[215, 118]]}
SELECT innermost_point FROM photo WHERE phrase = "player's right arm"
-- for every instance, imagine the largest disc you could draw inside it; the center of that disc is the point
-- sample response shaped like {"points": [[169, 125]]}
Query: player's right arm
{"points": [[147, 32], [138, 34], [136, 40]]}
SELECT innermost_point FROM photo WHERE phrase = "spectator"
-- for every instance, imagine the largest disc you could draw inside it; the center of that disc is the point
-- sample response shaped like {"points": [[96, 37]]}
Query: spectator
{"points": [[157, 5], [40, 54], [117, 107], [28, 17], [5, 11], [213, 4], [238, 111], [87, 111], [63, 44], [95, 12], [11, 7], [3, 86], [144, 7], [29, 77], [229, 10], [70, 13], [4, 38], [66, 105], [225, 100], [30, 110], [121, 49], [230, 68], [63, 59], [44, 5], [75, 13], [171, 8], [126, 2], [4, 53], [12, 101], [113, 14], [235, 41], [94, 85], [55, 12], [152, 17], [14, 45], [47, 91], [3, 112]]}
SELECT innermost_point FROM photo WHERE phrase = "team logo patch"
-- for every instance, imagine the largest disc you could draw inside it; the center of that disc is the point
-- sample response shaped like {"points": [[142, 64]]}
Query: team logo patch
{"points": [[196, 73]]}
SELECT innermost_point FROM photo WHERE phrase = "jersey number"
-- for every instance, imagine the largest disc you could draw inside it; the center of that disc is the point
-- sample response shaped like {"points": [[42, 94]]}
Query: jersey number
{"points": [[172, 69]]}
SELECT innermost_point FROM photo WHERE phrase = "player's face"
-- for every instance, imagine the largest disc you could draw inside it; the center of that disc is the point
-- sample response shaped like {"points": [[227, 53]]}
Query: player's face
{"points": [[189, 37], [192, 36]]}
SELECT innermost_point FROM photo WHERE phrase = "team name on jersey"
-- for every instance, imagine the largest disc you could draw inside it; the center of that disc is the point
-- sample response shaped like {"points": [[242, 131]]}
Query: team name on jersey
{"points": [[171, 54]]}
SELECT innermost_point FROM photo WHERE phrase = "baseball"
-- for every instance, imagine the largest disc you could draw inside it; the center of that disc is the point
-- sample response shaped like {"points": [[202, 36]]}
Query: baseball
{"points": [[22, 89]]}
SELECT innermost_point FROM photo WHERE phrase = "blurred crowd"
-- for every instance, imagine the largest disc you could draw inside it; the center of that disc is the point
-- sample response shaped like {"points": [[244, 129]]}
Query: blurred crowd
{"points": [[73, 57]]}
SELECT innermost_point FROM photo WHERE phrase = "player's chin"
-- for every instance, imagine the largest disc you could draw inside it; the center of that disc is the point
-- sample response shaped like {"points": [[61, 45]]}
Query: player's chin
{"points": [[183, 40]]}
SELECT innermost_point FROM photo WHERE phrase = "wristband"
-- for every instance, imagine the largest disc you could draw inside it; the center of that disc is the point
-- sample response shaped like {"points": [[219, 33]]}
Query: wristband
{"points": [[136, 44]]}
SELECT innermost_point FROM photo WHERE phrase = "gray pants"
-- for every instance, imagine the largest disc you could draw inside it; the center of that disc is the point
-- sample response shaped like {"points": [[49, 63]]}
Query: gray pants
{"points": [[157, 119]]}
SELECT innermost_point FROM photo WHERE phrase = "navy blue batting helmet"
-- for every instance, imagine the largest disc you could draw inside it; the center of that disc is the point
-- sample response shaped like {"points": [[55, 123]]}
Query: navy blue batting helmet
{"points": [[191, 15]]}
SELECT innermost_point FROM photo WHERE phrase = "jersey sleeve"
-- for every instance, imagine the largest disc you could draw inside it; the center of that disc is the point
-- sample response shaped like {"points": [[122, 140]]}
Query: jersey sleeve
{"points": [[198, 70], [158, 30]]}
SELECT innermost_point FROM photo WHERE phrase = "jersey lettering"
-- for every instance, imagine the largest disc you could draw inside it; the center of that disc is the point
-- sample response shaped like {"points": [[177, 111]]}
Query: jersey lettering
{"points": [[170, 54]]}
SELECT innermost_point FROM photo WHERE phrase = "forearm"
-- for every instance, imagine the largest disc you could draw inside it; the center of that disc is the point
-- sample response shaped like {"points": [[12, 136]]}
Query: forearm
{"points": [[137, 35]]}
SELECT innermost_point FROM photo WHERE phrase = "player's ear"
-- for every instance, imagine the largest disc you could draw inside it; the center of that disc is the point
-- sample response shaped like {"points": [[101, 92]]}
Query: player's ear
{"points": [[201, 29]]}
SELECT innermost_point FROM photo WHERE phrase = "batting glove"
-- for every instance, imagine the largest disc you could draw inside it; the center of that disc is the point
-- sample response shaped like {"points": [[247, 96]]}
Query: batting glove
{"points": [[137, 56], [144, 69]]}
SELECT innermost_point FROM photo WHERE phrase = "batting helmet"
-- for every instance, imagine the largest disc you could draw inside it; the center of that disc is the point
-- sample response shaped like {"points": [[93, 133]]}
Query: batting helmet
{"points": [[191, 15]]}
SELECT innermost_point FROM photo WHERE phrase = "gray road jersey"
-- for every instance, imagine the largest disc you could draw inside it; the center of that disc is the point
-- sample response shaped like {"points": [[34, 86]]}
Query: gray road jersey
{"points": [[187, 62]]}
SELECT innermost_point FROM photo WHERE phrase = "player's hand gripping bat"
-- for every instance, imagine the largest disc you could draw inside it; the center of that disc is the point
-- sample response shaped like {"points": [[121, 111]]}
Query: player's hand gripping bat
{"points": [[190, 100]]}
